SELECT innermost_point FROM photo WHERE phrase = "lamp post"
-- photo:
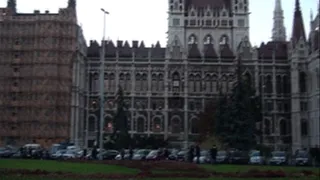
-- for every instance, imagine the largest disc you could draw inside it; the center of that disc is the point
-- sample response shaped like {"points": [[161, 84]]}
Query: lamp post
{"points": [[102, 58]]}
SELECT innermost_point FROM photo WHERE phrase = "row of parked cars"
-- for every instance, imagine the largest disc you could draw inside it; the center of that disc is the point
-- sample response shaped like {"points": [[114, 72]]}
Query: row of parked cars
{"points": [[59, 151]]}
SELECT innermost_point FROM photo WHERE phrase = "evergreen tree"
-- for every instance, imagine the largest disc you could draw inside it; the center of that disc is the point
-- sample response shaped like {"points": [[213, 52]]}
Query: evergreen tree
{"points": [[241, 115], [121, 135]]}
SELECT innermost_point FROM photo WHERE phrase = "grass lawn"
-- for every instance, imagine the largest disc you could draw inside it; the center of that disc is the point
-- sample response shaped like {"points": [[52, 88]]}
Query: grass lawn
{"points": [[80, 168], [245, 168], [64, 167], [33, 178]]}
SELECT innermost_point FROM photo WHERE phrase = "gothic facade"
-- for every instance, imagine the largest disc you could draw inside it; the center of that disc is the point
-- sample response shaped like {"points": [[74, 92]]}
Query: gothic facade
{"points": [[166, 88]]}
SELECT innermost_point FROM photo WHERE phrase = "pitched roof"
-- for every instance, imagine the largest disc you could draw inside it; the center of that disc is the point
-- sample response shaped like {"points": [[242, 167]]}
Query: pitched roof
{"points": [[194, 51], [110, 49], [125, 51], [226, 52], [93, 49], [212, 3], [209, 52], [278, 49], [157, 51], [298, 31]]}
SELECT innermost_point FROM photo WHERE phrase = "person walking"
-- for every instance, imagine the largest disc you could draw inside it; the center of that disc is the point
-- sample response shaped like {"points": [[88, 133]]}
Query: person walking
{"points": [[198, 153], [191, 154], [213, 153]]}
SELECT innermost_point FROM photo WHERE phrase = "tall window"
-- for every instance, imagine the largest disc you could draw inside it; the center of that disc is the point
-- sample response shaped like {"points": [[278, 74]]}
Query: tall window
{"points": [[176, 82], [303, 82]]}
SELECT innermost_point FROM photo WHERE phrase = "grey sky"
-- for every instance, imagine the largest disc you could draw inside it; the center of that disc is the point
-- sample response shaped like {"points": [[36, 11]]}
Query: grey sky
{"points": [[147, 19]]}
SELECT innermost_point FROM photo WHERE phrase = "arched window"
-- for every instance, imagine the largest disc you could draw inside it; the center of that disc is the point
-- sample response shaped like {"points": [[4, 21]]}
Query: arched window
{"points": [[198, 83], [160, 82], [268, 84], [285, 85], [140, 125], [112, 82], [247, 78], [175, 125], [303, 82], [208, 82], [128, 83], [194, 126], [92, 124], [192, 39], [283, 127], [176, 82], [214, 86], [122, 80], [157, 125], [144, 83], [224, 84], [224, 40], [267, 126], [138, 82], [279, 85], [154, 83], [208, 39], [191, 83], [95, 82], [304, 127]]}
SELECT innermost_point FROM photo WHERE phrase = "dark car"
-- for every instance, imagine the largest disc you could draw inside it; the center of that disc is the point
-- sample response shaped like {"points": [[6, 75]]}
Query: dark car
{"points": [[238, 157], [154, 155], [302, 158], [108, 154], [222, 157], [181, 155], [6, 152], [278, 158], [173, 155]]}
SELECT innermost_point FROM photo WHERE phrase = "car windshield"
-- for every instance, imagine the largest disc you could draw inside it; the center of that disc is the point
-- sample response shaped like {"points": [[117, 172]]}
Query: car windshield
{"points": [[278, 154], [256, 153], [141, 152], [302, 154], [221, 153], [203, 153], [153, 153], [181, 152]]}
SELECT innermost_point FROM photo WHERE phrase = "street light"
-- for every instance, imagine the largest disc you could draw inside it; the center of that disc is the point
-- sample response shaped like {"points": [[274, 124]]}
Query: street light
{"points": [[102, 58]]}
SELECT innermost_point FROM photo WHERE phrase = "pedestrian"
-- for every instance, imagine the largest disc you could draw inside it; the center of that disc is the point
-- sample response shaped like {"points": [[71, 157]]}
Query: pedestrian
{"points": [[130, 153], [122, 154], [213, 153], [198, 153], [191, 154], [84, 154]]}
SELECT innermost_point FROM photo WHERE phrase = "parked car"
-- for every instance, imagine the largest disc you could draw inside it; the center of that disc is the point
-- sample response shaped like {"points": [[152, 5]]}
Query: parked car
{"points": [[302, 158], [204, 157], [238, 157], [256, 157], [6, 152], [58, 154], [154, 155], [182, 155], [278, 158], [69, 154], [140, 154], [108, 154], [126, 155], [222, 157]]}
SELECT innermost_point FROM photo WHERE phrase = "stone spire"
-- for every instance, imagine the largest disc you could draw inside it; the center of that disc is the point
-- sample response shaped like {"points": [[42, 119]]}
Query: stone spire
{"points": [[72, 4], [12, 4], [298, 31], [278, 31]]}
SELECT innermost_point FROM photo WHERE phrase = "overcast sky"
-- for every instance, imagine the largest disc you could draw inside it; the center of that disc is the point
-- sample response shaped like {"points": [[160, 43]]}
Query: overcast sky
{"points": [[147, 19]]}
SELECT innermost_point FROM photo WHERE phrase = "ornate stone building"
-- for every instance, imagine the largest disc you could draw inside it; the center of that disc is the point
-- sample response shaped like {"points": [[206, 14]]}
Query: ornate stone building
{"points": [[41, 63], [166, 88]]}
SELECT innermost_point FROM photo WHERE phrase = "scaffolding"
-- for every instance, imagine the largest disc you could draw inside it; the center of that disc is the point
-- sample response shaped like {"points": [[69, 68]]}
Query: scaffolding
{"points": [[36, 58]]}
